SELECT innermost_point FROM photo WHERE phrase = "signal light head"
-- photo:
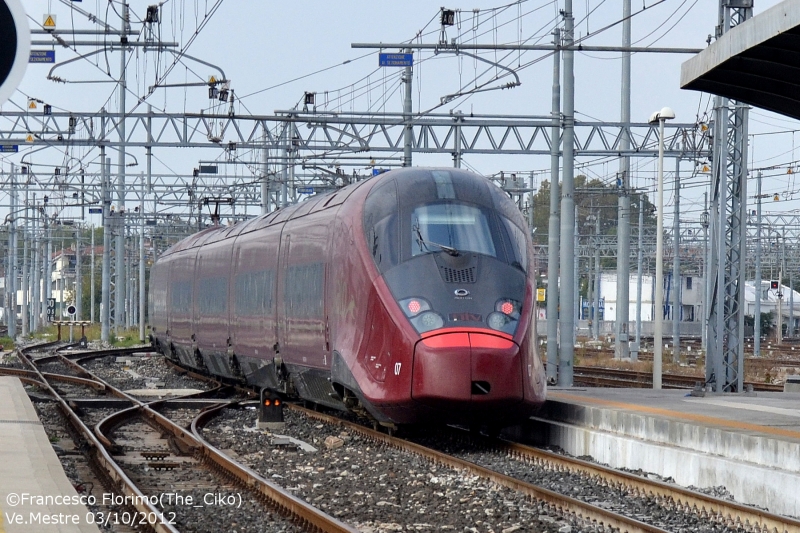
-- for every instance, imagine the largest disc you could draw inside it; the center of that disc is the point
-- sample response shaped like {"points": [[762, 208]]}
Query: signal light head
{"points": [[507, 308], [414, 306]]}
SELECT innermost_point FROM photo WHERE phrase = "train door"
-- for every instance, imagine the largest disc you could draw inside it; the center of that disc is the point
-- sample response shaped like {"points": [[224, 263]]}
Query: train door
{"points": [[304, 328]]}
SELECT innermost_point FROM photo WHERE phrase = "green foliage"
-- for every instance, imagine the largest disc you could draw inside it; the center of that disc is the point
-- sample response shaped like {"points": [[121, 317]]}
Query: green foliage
{"points": [[7, 343], [590, 196], [767, 321], [126, 339]]}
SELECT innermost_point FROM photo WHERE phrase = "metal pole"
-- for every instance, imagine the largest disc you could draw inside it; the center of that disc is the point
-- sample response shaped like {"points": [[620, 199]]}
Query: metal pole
{"points": [[577, 278], [757, 283], [790, 328], [457, 140], [596, 320], [566, 351], [11, 275], [408, 134], [265, 177], [676, 266], [553, 222], [285, 173], [48, 261], [120, 277], [659, 281], [25, 284], [706, 277], [78, 276], [91, 285], [105, 296], [622, 324], [35, 270], [640, 258], [142, 294]]}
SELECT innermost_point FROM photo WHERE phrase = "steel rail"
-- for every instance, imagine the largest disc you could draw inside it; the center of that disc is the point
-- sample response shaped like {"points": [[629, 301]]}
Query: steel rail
{"points": [[723, 510], [103, 459], [277, 495], [31, 375], [192, 443], [617, 377], [593, 515]]}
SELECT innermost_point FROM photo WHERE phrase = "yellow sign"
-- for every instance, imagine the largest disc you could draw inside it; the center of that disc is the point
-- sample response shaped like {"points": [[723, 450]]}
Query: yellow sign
{"points": [[49, 22], [541, 294], [29, 138], [212, 80], [31, 104]]}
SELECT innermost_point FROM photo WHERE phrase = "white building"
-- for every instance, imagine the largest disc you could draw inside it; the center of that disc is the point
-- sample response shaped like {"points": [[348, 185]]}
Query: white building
{"points": [[691, 297]]}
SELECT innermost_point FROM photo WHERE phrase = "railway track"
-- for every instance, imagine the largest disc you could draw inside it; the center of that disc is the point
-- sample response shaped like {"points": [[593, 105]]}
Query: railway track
{"points": [[166, 436], [619, 378], [148, 423]]}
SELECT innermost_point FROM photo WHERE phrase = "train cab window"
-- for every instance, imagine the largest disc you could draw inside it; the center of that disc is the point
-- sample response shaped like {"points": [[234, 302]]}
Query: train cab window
{"points": [[519, 248], [451, 227]]}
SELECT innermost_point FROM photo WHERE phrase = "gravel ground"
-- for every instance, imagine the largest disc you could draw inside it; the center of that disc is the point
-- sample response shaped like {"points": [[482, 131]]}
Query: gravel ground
{"points": [[144, 372], [375, 487], [75, 464], [216, 505], [646, 509]]}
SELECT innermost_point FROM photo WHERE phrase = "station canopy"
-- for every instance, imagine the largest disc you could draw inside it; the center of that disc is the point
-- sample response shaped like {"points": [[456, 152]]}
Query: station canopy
{"points": [[757, 62]]}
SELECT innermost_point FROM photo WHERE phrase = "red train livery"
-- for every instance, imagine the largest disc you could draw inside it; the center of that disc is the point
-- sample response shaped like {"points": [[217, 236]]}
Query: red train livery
{"points": [[407, 298]]}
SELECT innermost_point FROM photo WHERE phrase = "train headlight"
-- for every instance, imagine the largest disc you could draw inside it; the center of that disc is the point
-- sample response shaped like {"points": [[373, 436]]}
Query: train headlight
{"points": [[427, 321], [414, 306]]}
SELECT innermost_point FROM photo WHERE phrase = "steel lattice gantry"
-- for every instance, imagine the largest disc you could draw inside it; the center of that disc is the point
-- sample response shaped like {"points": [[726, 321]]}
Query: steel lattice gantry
{"points": [[328, 132]]}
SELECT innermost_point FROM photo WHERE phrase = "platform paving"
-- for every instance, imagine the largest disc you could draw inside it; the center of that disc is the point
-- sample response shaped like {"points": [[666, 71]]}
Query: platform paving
{"points": [[31, 475], [750, 444]]}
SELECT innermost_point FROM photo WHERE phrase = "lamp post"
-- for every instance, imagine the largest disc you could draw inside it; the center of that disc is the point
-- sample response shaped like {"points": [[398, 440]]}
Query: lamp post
{"points": [[659, 117]]}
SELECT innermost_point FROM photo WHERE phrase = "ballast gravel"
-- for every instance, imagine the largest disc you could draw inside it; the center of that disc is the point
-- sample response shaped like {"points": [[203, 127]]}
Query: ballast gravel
{"points": [[374, 487], [644, 508]]}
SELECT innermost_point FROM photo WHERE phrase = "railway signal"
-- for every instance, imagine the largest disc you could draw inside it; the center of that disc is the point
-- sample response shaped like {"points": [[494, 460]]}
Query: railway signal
{"points": [[15, 46], [270, 414]]}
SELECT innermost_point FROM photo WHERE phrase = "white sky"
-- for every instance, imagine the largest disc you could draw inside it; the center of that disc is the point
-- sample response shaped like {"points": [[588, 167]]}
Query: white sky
{"points": [[266, 44]]}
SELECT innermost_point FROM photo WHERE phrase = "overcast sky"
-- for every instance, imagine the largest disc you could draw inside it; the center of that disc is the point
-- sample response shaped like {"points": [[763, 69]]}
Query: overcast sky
{"points": [[262, 46]]}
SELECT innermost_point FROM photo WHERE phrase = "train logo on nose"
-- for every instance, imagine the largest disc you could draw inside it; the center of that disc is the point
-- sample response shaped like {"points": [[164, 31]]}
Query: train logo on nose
{"points": [[461, 293]]}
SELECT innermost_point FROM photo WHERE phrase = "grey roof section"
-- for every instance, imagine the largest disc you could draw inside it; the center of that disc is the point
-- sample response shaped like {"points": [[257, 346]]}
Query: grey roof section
{"points": [[757, 62]]}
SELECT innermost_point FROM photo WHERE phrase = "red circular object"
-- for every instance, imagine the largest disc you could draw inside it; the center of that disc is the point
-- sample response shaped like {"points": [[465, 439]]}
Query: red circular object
{"points": [[507, 308], [414, 306]]}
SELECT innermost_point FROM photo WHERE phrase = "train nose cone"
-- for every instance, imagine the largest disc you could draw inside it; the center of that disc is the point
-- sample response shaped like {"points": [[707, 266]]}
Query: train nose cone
{"points": [[466, 369]]}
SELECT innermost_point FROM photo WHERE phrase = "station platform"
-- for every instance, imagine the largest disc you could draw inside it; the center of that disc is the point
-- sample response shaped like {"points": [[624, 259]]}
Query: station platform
{"points": [[749, 444], [33, 484]]}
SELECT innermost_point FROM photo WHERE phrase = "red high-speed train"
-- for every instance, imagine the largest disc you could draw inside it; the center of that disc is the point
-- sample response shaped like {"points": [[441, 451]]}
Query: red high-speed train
{"points": [[407, 297]]}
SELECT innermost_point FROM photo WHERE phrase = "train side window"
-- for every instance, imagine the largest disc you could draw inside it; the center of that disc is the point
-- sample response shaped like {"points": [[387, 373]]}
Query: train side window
{"points": [[181, 297], [253, 292], [303, 291], [213, 299]]}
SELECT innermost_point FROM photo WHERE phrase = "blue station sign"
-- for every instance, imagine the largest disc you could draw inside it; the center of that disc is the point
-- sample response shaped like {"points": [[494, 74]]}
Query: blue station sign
{"points": [[395, 60], [305, 190], [42, 56], [9, 148], [95, 210]]}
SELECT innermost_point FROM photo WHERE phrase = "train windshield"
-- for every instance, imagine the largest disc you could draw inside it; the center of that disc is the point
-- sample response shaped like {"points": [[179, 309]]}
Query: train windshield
{"points": [[450, 227]]}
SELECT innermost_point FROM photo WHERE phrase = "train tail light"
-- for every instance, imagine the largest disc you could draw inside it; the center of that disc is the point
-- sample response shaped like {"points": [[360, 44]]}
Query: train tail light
{"points": [[505, 316], [419, 312]]}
